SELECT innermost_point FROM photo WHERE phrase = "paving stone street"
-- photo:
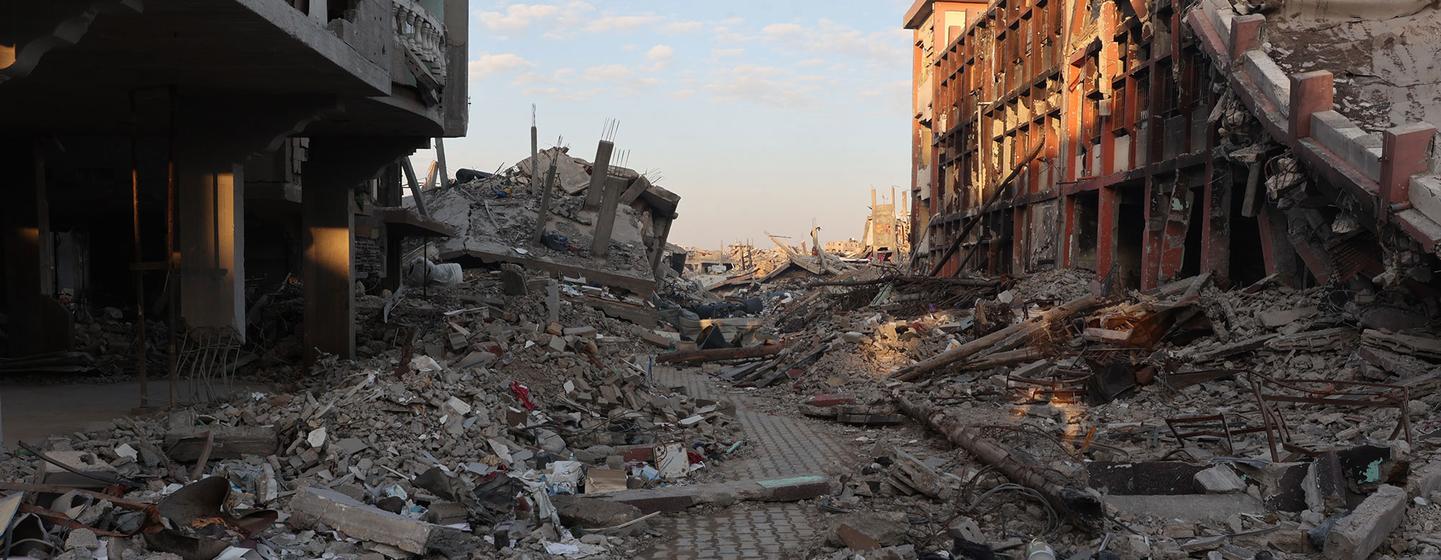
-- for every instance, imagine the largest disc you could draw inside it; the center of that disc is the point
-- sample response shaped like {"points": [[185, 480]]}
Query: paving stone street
{"points": [[779, 446]]}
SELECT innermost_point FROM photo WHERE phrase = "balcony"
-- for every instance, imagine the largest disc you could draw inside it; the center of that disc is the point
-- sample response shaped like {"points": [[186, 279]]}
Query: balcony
{"points": [[421, 34]]}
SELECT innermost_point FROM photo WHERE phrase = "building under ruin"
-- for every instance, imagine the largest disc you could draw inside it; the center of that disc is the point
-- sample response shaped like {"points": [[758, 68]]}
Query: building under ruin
{"points": [[177, 156], [1150, 140]]}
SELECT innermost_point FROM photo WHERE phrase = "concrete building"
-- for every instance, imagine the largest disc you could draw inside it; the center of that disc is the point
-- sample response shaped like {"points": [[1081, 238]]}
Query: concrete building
{"points": [[1150, 140], [1149, 143], [144, 139]]}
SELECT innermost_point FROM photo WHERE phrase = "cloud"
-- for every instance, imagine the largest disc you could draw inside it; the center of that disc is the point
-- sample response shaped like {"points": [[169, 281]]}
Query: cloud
{"points": [[680, 27], [494, 63], [764, 85], [783, 30], [725, 53], [832, 38], [622, 23], [659, 57], [608, 73], [517, 17]]}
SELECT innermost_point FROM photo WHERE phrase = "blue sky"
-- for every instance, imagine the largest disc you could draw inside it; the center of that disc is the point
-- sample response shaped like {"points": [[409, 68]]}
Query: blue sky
{"points": [[762, 115]]}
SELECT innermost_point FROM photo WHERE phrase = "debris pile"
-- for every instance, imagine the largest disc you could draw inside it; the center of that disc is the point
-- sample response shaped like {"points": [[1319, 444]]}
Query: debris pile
{"points": [[562, 214], [1186, 420], [481, 423]]}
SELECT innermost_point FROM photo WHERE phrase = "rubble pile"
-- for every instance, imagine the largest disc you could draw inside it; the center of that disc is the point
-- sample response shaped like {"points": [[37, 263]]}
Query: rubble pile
{"points": [[497, 215], [479, 425], [1183, 421]]}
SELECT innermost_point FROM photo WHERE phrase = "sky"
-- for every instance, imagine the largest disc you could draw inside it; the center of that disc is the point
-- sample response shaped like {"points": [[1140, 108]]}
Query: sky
{"points": [[763, 115]]}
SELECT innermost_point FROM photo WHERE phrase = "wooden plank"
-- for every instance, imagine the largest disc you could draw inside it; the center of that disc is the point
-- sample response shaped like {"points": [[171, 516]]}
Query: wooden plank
{"points": [[641, 316]]}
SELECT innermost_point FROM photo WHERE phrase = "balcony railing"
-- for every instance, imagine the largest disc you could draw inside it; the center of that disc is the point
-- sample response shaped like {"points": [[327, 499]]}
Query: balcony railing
{"points": [[420, 33]]}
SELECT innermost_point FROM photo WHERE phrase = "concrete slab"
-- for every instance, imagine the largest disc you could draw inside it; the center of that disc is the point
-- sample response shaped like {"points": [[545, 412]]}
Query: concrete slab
{"points": [[672, 499], [1189, 507]]}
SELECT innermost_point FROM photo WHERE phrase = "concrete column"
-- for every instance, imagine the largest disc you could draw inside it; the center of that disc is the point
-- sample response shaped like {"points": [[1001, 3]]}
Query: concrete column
{"points": [[329, 269], [37, 323], [598, 173], [605, 216], [1405, 151], [1245, 34], [1107, 216], [212, 245], [393, 256], [662, 234], [335, 168], [1311, 92]]}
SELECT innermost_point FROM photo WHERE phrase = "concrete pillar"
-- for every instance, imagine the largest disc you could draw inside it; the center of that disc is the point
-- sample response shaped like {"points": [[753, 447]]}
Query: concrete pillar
{"points": [[605, 216], [337, 166], [598, 173], [1405, 151], [1246, 34], [1311, 92], [662, 234], [37, 323], [329, 268], [1107, 216], [212, 244]]}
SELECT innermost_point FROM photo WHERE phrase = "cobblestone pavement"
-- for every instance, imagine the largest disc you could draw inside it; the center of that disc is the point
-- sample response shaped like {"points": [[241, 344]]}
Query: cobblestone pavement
{"points": [[779, 446]]}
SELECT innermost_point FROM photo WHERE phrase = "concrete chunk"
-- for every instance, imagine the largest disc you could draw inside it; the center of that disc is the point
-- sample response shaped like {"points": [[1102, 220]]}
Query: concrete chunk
{"points": [[1358, 535], [360, 521], [1220, 479], [591, 513], [672, 499], [870, 531]]}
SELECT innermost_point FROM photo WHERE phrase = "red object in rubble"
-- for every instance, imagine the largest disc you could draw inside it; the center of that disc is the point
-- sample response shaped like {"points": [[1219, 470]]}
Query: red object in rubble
{"points": [[523, 394]]}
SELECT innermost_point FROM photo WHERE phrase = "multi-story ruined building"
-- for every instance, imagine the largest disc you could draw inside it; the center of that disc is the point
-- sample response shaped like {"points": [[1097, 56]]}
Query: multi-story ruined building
{"points": [[145, 140], [1149, 140]]}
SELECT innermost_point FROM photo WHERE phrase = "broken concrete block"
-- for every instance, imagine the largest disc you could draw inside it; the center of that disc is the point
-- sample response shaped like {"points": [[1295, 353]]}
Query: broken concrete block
{"points": [[1357, 535], [81, 461], [230, 442], [671, 499], [870, 531], [512, 279], [1220, 479], [367, 523], [580, 331], [82, 539], [591, 513], [825, 399], [476, 359]]}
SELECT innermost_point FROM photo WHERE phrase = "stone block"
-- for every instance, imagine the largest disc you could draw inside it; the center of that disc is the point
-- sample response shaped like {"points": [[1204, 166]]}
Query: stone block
{"points": [[1357, 535], [870, 531], [593, 513], [1426, 196]]}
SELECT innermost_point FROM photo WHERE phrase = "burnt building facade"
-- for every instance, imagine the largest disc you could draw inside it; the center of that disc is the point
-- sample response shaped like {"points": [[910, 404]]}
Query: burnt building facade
{"points": [[1151, 140]]}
